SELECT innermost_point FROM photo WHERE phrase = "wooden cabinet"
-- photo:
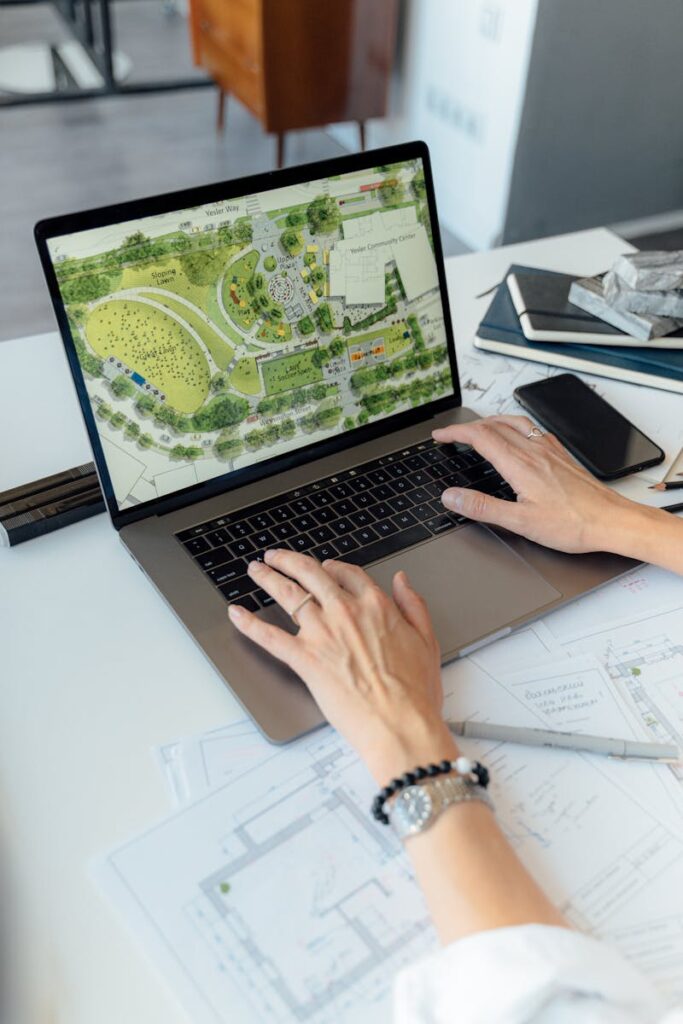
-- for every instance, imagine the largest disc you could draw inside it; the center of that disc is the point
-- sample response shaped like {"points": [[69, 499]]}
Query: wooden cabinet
{"points": [[297, 63]]}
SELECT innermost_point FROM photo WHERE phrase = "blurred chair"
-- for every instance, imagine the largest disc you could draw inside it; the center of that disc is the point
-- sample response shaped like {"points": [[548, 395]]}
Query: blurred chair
{"points": [[295, 64]]}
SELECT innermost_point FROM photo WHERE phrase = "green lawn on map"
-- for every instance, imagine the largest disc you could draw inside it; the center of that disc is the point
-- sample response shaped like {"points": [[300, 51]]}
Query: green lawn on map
{"points": [[289, 372]]}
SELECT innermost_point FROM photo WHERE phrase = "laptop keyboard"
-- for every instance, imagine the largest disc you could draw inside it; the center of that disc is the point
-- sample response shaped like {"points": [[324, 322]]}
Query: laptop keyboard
{"points": [[359, 515]]}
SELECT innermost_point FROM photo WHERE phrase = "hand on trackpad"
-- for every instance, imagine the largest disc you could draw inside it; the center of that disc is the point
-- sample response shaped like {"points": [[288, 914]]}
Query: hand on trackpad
{"points": [[473, 583]]}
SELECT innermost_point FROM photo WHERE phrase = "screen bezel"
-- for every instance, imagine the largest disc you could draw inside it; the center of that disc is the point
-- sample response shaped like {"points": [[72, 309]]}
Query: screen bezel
{"points": [[54, 227]]}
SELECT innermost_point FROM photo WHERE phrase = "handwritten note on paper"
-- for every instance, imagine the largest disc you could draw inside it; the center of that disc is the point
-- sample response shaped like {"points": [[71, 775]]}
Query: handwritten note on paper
{"points": [[574, 694]]}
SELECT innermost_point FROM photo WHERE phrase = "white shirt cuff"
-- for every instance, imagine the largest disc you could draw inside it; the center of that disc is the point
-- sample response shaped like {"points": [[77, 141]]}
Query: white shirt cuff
{"points": [[529, 974]]}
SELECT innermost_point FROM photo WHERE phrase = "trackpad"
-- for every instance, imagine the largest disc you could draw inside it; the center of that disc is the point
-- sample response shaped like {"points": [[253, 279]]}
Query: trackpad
{"points": [[473, 583]]}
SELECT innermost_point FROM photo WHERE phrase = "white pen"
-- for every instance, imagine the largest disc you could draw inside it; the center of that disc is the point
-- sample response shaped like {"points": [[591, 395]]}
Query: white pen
{"points": [[630, 750]]}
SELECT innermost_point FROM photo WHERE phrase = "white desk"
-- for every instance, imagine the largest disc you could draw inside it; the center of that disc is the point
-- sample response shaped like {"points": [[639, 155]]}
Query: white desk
{"points": [[95, 670]]}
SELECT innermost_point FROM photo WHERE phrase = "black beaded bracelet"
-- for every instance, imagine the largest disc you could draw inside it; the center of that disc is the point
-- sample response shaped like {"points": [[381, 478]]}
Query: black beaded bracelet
{"points": [[478, 774]]}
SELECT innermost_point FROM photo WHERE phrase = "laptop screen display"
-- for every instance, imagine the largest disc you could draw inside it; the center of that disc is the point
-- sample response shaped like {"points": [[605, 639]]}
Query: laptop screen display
{"points": [[216, 337]]}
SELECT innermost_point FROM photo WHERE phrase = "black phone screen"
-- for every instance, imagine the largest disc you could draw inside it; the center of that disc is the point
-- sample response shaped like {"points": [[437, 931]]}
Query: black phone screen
{"points": [[593, 431]]}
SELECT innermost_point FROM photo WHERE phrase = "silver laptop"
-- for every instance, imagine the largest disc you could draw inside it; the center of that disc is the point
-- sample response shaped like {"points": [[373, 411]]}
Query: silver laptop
{"points": [[261, 363]]}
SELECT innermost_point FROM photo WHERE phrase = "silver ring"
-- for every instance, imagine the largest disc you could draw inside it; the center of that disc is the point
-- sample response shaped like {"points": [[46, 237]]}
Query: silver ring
{"points": [[534, 432], [293, 614]]}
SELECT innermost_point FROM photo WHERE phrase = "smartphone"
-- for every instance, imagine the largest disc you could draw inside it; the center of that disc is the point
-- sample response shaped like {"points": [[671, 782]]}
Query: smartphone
{"points": [[589, 427]]}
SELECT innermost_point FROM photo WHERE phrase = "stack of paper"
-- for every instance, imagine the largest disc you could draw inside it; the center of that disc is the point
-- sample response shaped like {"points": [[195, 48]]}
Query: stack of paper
{"points": [[271, 894]]}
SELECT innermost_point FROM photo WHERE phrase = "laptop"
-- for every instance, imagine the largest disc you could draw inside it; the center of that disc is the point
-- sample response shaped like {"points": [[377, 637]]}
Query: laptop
{"points": [[261, 363]]}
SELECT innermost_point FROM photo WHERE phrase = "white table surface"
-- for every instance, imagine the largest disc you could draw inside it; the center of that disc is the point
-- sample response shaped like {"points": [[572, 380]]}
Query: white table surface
{"points": [[95, 670]]}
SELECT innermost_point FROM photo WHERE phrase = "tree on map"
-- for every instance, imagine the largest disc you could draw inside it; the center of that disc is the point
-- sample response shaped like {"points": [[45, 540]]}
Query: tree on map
{"points": [[323, 318], [242, 231], [363, 417], [305, 326], [318, 392], [298, 398], [391, 192], [337, 348], [145, 404], [255, 438], [292, 241], [86, 288], [349, 423], [228, 449], [225, 236], [202, 268], [323, 215], [287, 428], [132, 429], [122, 387], [219, 382], [146, 441], [104, 411], [270, 263], [224, 411], [117, 420], [321, 356], [418, 187], [295, 218]]}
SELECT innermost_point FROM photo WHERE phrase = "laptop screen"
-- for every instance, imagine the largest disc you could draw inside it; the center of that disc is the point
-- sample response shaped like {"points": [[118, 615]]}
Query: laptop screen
{"points": [[220, 336]]}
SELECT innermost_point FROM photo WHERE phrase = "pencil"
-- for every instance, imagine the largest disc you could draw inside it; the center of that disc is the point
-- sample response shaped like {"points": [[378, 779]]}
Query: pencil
{"points": [[670, 485]]}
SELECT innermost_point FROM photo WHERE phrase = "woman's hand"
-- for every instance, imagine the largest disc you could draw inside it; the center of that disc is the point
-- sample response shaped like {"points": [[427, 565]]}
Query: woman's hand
{"points": [[371, 662], [558, 503]]}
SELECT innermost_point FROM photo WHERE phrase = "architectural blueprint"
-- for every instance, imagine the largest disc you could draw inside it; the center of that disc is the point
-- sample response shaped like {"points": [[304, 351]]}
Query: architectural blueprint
{"points": [[274, 896]]}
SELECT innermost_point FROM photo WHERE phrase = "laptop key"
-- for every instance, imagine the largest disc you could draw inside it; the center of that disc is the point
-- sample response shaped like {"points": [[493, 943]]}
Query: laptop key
{"points": [[382, 492], [389, 545], [345, 507], [379, 476], [302, 543], [364, 499], [263, 540], [400, 503], [218, 537], [440, 524], [283, 531], [402, 485], [228, 572], [324, 551], [248, 602], [264, 600], [320, 534], [422, 511], [261, 521], [238, 588], [303, 523], [342, 526], [301, 506], [415, 462], [382, 511], [362, 518], [365, 536], [197, 545], [321, 498], [242, 547], [237, 530], [385, 528], [340, 491], [282, 514], [404, 519], [359, 483], [421, 478], [345, 544], [324, 515], [419, 494], [217, 556]]}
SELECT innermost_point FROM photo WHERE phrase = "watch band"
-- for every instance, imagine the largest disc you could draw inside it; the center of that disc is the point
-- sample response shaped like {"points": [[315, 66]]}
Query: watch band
{"points": [[417, 807]]}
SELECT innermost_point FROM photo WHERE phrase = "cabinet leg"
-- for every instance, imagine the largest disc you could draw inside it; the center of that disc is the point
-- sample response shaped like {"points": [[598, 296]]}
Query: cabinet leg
{"points": [[280, 149], [361, 132], [220, 113]]}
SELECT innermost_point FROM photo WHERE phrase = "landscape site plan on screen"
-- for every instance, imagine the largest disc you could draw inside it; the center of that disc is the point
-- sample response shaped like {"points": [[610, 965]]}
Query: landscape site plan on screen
{"points": [[216, 337]]}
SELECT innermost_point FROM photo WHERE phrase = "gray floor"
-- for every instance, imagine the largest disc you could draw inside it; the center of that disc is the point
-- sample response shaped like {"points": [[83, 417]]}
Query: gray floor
{"points": [[56, 158]]}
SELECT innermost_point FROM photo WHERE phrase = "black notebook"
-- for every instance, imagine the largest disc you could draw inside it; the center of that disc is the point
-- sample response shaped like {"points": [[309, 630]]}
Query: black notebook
{"points": [[500, 331], [546, 314]]}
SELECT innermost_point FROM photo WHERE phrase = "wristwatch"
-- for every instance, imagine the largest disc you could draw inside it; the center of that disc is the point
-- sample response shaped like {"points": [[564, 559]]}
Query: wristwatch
{"points": [[417, 807]]}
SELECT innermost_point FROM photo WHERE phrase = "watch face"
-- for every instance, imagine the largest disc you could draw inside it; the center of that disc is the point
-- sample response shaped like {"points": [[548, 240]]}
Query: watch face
{"points": [[413, 808]]}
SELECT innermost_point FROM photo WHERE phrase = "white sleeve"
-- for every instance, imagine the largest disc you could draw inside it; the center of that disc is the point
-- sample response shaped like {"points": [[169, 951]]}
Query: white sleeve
{"points": [[532, 974]]}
